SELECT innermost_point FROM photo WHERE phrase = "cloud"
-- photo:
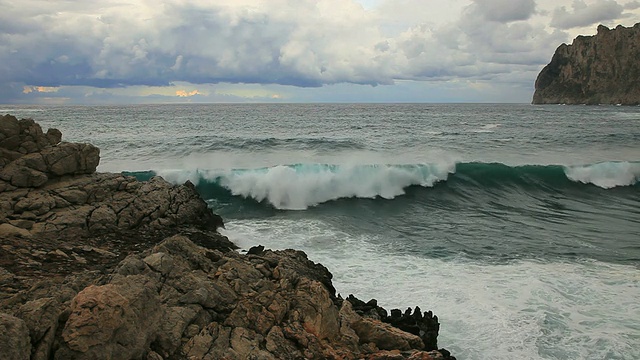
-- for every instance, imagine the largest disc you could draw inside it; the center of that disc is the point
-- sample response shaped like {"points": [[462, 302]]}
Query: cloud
{"points": [[632, 5], [199, 42], [304, 44], [184, 93], [137, 43], [40, 89], [505, 10], [583, 14]]}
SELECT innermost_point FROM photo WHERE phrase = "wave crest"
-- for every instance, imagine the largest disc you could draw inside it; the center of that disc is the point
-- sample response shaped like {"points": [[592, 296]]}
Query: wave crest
{"points": [[300, 186], [606, 175]]}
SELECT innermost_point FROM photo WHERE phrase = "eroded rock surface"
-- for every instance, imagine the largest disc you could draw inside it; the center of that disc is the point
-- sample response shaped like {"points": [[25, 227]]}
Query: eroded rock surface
{"points": [[599, 69], [179, 300]]}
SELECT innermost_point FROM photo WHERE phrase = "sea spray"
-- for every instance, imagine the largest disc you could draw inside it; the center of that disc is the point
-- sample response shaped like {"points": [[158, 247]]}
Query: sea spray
{"points": [[299, 186], [606, 174], [517, 309]]}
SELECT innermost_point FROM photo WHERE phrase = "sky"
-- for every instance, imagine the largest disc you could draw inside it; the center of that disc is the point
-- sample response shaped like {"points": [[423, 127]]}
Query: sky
{"points": [[211, 51]]}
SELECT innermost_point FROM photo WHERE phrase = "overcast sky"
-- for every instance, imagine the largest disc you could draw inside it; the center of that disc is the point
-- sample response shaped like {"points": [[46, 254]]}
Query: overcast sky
{"points": [[149, 51]]}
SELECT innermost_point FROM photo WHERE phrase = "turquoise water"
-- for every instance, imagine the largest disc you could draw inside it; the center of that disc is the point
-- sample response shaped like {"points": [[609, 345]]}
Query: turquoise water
{"points": [[518, 225]]}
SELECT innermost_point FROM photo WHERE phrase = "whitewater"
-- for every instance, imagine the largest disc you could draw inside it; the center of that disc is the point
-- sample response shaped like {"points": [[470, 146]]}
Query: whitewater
{"points": [[518, 225]]}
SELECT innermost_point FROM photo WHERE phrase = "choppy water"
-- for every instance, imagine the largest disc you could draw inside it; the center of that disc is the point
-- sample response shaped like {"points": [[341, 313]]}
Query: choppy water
{"points": [[518, 225]]}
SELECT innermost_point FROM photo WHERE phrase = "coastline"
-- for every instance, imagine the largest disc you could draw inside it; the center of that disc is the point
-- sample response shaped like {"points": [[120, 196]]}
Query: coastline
{"points": [[99, 265]]}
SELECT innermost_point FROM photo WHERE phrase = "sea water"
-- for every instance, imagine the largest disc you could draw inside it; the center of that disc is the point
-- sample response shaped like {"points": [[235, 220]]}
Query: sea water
{"points": [[518, 225]]}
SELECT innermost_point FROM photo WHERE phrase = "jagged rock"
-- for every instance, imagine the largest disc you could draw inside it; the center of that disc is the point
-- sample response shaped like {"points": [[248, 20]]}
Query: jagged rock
{"points": [[599, 69], [425, 325], [183, 301]]}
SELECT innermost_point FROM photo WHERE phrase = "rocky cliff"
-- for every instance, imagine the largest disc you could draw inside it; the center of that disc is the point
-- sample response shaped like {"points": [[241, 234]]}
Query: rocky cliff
{"points": [[599, 69], [101, 266]]}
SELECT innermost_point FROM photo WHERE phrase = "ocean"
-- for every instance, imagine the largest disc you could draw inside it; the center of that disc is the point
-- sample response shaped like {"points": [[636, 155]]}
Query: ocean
{"points": [[518, 225]]}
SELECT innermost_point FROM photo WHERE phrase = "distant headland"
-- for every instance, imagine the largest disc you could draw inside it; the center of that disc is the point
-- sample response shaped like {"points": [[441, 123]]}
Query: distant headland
{"points": [[599, 69]]}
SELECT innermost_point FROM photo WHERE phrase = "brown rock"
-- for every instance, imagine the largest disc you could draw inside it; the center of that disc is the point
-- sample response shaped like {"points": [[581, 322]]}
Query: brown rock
{"points": [[102, 218], [599, 69], [385, 336], [54, 136], [71, 159], [41, 316], [114, 321], [14, 338], [22, 176], [8, 230]]}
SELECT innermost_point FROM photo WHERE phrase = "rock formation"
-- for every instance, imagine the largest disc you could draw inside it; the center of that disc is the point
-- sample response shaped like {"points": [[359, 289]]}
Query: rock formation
{"points": [[51, 186], [101, 266], [599, 69]]}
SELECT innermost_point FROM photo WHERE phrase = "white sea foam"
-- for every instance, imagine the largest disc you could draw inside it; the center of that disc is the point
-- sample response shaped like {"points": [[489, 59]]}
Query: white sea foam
{"points": [[488, 128], [520, 310], [298, 187], [605, 174]]}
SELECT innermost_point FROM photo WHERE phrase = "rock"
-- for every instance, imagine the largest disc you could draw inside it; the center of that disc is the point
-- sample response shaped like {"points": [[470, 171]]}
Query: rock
{"points": [[113, 321], [22, 176], [385, 336], [41, 316], [8, 230], [14, 338], [71, 159], [255, 250], [425, 325], [599, 69]]}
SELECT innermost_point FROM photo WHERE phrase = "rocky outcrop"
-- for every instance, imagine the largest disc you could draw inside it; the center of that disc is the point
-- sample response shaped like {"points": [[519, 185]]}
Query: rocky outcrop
{"points": [[599, 69], [46, 186], [101, 266], [179, 300]]}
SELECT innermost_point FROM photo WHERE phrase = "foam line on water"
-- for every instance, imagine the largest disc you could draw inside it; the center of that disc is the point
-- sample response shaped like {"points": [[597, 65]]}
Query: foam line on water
{"points": [[523, 310]]}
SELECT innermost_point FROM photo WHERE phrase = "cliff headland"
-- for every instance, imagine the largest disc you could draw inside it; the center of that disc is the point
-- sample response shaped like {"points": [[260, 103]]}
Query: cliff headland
{"points": [[599, 69], [102, 266]]}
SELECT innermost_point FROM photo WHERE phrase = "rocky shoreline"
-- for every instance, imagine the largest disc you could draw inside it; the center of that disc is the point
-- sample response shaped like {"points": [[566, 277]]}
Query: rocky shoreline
{"points": [[102, 266]]}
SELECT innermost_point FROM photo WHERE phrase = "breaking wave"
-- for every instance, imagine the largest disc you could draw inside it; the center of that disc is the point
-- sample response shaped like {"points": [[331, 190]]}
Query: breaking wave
{"points": [[300, 186]]}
